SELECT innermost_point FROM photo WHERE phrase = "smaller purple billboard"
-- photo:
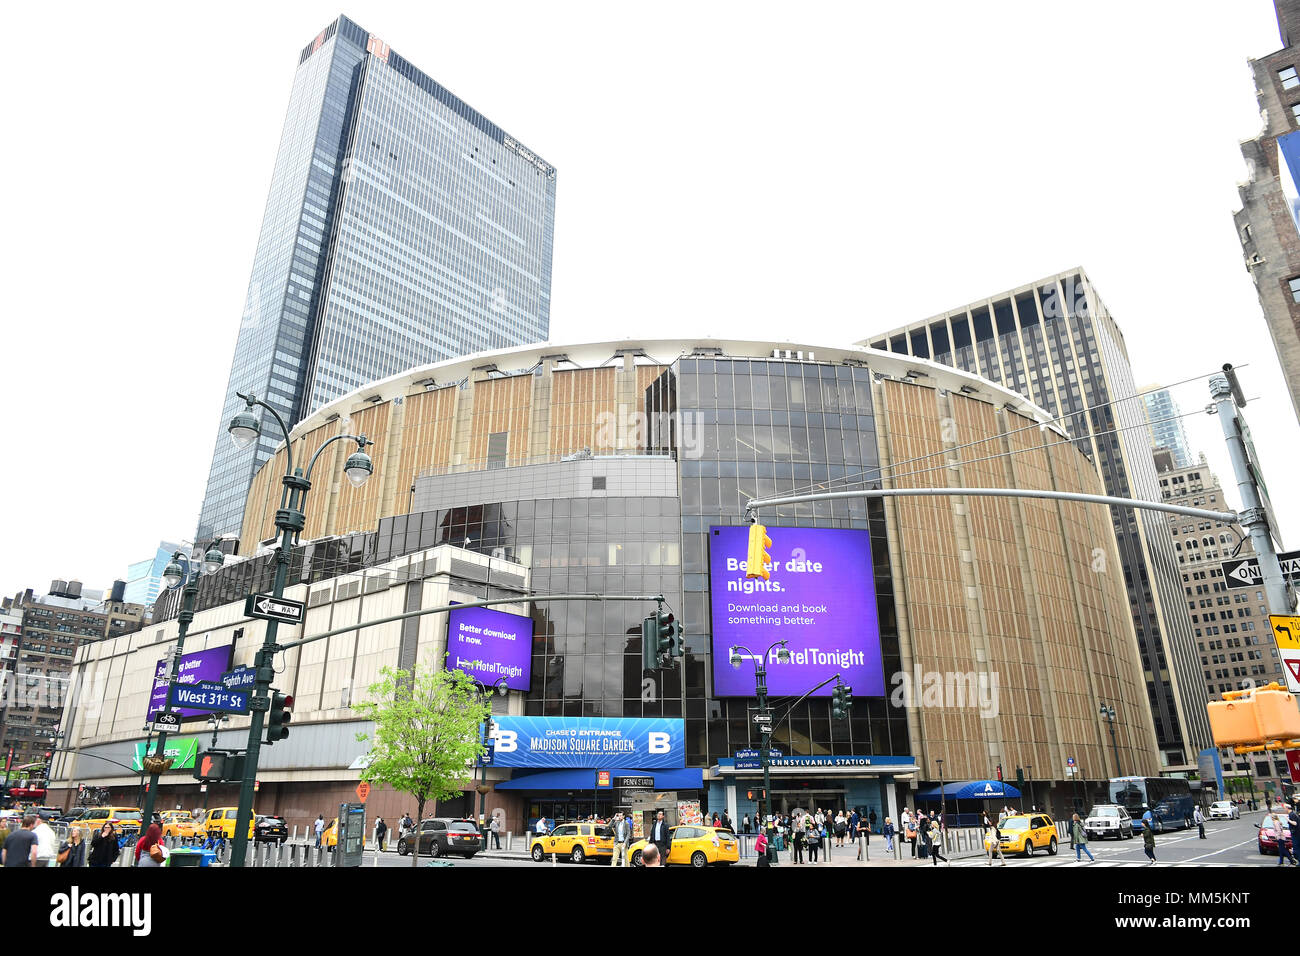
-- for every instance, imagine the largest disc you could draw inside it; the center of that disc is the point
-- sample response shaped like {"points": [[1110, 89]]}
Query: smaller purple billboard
{"points": [[206, 665], [821, 598], [489, 645]]}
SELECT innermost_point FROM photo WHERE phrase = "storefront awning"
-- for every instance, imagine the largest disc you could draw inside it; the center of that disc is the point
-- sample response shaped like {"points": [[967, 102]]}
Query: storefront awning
{"points": [[971, 790], [690, 778]]}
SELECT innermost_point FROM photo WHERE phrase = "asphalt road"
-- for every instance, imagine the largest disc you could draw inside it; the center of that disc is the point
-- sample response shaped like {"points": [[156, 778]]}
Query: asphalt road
{"points": [[1226, 843]]}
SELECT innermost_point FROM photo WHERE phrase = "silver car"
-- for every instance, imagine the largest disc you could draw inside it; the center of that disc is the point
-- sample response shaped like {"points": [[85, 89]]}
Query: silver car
{"points": [[1108, 820], [1224, 810]]}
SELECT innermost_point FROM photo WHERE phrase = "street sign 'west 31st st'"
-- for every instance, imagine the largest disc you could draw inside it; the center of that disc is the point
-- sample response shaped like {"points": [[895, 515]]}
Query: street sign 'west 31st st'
{"points": [[208, 696]]}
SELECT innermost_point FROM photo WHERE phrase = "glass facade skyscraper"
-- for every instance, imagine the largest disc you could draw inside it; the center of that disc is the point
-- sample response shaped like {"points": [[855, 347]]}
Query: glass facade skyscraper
{"points": [[1166, 425], [401, 228], [1054, 342]]}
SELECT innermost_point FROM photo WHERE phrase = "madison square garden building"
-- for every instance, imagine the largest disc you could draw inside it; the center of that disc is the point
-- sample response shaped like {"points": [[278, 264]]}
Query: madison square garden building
{"points": [[979, 631]]}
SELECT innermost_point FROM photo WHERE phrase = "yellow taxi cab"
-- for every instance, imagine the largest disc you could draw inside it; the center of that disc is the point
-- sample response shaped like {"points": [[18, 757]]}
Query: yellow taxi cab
{"points": [[329, 837], [575, 841], [124, 820], [178, 823], [695, 846], [1025, 833], [221, 822]]}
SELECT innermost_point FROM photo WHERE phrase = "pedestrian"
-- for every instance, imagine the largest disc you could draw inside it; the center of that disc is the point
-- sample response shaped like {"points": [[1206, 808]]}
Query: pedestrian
{"points": [[381, 834], [1274, 821], [21, 846], [622, 837], [888, 832], [150, 851], [1149, 841], [862, 837], [1199, 818], [841, 828], [47, 844], [993, 839], [73, 850], [936, 843], [1079, 838], [909, 830], [855, 823], [495, 829], [661, 836], [103, 848], [813, 838], [744, 824], [1293, 820], [871, 818], [320, 828], [542, 829], [922, 827], [797, 842], [760, 849]]}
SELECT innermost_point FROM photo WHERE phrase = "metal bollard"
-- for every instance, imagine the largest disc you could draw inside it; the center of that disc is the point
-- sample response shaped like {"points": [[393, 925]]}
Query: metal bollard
{"points": [[307, 855], [510, 840], [293, 854]]}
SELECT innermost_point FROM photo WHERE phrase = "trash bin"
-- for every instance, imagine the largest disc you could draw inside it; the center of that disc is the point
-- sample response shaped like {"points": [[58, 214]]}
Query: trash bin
{"points": [[192, 857]]}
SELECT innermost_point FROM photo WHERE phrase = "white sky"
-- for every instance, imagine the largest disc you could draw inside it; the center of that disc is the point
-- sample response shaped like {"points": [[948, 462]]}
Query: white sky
{"points": [[724, 169]]}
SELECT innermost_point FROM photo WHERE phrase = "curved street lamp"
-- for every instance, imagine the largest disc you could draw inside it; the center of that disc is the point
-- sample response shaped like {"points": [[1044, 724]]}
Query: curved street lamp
{"points": [[760, 691], [244, 430], [178, 573]]}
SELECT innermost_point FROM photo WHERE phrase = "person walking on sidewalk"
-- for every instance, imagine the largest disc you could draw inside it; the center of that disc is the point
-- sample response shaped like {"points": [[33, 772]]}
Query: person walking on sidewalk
{"points": [[936, 843], [797, 842], [888, 833], [1079, 837], [622, 833], [1199, 819], [319, 827], [495, 829], [381, 834], [993, 840], [1275, 822], [813, 839], [1149, 841]]}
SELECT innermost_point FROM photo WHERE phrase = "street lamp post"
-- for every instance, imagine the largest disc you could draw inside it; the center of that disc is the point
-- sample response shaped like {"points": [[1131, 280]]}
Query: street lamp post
{"points": [[178, 573], [1109, 714], [501, 689], [1029, 777], [289, 521], [760, 691], [943, 797]]}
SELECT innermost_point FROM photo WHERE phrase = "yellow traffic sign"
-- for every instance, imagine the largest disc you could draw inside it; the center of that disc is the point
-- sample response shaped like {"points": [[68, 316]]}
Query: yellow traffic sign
{"points": [[1286, 631]]}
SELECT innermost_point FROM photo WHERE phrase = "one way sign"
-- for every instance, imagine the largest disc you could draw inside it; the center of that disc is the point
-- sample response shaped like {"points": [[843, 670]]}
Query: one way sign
{"points": [[1245, 573], [270, 608]]}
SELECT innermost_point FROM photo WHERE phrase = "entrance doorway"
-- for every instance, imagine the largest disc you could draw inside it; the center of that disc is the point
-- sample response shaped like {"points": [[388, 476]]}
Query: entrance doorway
{"points": [[787, 801]]}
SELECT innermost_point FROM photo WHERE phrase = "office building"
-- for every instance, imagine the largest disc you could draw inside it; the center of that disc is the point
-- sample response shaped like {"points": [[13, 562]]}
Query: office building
{"points": [[53, 626], [1054, 343], [1165, 425], [402, 227], [1268, 222], [1230, 622], [604, 468], [144, 578]]}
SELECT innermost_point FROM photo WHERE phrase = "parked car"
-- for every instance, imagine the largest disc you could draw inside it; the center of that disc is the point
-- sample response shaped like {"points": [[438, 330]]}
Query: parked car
{"points": [[1024, 833], [220, 822], [696, 846], [1268, 837], [1108, 820], [178, 823], [1224, 810], [76, 813], [271, 829], [443, 835], [125, 819], [574, 841]]}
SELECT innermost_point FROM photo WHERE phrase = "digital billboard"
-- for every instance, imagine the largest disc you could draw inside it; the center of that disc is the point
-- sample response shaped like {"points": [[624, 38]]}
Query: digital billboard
{"points": [[206, 665], [488, 645], [821, 599]]}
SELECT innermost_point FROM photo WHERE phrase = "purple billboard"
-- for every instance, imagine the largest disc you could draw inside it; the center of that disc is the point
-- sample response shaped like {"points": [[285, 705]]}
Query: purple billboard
{"points": [[206, 665], [489, 645], [821, 599]]}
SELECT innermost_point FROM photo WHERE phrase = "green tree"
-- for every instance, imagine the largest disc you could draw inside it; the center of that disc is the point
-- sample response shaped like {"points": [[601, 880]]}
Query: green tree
{"points": [[427, 734]]}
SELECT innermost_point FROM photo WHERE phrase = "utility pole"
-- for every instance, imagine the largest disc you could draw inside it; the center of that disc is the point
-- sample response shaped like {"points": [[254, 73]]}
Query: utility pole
{"points": [[1228, 398]]}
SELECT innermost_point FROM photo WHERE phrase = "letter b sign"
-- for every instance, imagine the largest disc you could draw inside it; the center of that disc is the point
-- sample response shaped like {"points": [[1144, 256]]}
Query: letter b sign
{"points": [[659, 742], [507, 741]]}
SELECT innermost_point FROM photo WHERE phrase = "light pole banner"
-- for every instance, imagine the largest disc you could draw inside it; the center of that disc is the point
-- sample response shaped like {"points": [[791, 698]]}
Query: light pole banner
{"points": [[821, 598], [643, 743]]}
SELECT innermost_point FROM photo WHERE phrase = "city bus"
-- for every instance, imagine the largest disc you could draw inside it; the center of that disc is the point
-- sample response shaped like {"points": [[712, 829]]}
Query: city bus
{"points": [[1169, 800]]}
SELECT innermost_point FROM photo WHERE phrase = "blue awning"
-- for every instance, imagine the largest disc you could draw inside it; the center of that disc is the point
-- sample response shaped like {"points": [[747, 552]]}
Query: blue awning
{"points": [[971, 790], [690, 778]]}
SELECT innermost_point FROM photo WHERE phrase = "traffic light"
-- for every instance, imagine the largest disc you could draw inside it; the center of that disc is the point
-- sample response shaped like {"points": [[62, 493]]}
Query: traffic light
{"points": [[278, 717], [841, 700], [211, 765], [670, 637], [661, 640], [1020, 779], [999, 771], [649, 643], [757, 563]]}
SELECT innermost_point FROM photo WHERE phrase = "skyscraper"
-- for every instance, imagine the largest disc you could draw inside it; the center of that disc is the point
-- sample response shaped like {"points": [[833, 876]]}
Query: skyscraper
{"points": [[1054, 342], [144, 578], [402, 227], [1165, 424], [1268, 222]]}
